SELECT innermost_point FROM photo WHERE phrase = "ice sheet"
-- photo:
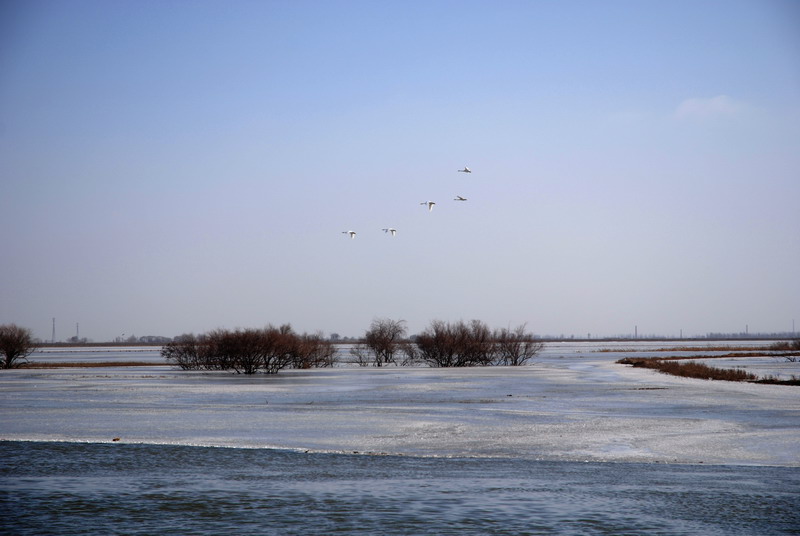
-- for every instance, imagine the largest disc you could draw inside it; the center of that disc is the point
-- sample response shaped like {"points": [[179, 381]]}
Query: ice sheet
{"points": [[566, 406]]}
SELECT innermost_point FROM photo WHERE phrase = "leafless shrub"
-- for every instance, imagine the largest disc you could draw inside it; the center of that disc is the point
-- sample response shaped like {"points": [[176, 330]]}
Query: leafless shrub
{"points": [[185, 351], [362, 355], [244, 351], [792, 345], [410, 354], [437, 345], [247, 351], [313, 351], [477, 342], [384, 339], [281, 348], [456, 345], [516, 347]]}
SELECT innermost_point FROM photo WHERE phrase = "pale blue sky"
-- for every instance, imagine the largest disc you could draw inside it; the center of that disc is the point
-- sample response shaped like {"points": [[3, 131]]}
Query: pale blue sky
{"points": [[176, 166]]}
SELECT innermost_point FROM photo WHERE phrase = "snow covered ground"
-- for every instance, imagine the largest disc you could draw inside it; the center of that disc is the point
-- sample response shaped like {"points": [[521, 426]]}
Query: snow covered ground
{"points": [[573, 403]]}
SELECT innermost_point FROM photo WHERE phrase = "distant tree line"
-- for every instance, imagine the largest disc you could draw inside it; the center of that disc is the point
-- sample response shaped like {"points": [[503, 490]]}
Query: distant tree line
{"points": [[268, 350]]}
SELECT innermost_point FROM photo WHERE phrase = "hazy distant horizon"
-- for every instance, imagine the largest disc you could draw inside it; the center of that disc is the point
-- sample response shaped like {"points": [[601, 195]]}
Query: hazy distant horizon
{"points": [[179, 167], [344, 337]]}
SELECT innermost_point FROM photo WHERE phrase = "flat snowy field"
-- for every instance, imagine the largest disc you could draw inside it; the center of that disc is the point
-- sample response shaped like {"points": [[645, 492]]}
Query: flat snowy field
{"points": [[571, 404]]}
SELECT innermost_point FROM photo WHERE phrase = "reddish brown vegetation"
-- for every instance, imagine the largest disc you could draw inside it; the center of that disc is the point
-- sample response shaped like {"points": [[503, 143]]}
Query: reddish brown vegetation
{"points": [[691, 369], [729, 355], [743, 351], [703, 372], [445, 344], [474, 344], [249, 351]]}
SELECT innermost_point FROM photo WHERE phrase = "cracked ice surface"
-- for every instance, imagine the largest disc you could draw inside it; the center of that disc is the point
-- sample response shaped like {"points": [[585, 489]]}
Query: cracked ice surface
{"points": [[572, 408]]}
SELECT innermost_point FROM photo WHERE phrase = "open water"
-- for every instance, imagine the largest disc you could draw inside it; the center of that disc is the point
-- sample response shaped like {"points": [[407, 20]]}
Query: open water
{"points": [[89, 488]]}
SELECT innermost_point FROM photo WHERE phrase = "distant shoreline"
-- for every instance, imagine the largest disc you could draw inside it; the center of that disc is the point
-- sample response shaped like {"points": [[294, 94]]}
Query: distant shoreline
{"points": [[750, 338], [88, 364]]}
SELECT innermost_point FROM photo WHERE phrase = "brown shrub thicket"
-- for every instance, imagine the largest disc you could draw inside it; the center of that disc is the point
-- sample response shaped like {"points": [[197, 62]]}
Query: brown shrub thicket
{"points": [[313, 351], [248, 351], [691, 369], [459, 344], [443, 344], [792, 347], [470, 344]]}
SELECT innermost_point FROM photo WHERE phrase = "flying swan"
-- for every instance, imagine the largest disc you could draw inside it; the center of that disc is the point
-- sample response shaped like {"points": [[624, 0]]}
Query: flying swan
{"points": [[390, 230], [459, 198], [429, 203], [351, 233], [465, 170]]}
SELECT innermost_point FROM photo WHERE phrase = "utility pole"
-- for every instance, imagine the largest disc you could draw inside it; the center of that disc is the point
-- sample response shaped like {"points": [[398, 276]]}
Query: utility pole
{"points": [[53, 339]]}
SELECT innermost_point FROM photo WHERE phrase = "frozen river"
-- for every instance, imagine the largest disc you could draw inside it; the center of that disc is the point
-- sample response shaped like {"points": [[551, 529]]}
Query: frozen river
{"points": [[573, 444], [572, 403]]}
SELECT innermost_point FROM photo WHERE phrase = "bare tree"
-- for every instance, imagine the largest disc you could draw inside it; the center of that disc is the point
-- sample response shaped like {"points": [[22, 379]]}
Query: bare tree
{"points": [[438, 345], [186, 351], [244, 350], [409, 352], [385, 337], [516, 347], [476, 345], [16, 344], [283, 348], [219, 350]]}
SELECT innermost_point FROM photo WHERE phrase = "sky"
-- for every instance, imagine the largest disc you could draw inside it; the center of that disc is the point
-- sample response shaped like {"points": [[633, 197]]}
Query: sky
{"points": [[172, 167]]}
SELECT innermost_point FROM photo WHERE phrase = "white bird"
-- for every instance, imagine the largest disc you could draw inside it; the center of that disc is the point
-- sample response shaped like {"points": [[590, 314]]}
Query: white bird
{"points": [[459, 198], [429, 203], [390, 230], [465, 170], [351, 233]]}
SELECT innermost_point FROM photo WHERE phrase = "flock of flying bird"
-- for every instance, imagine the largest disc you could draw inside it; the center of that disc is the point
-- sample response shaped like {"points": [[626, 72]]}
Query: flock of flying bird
{"points": [[429, 204]]}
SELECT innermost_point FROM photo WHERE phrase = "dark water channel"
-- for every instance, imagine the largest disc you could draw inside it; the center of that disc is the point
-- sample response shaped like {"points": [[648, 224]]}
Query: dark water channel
{"points": [[82, 488]]}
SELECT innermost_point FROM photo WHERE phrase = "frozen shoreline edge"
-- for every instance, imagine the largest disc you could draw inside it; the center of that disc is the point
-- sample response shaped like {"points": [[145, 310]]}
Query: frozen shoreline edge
{"points": [[298, 450]]}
